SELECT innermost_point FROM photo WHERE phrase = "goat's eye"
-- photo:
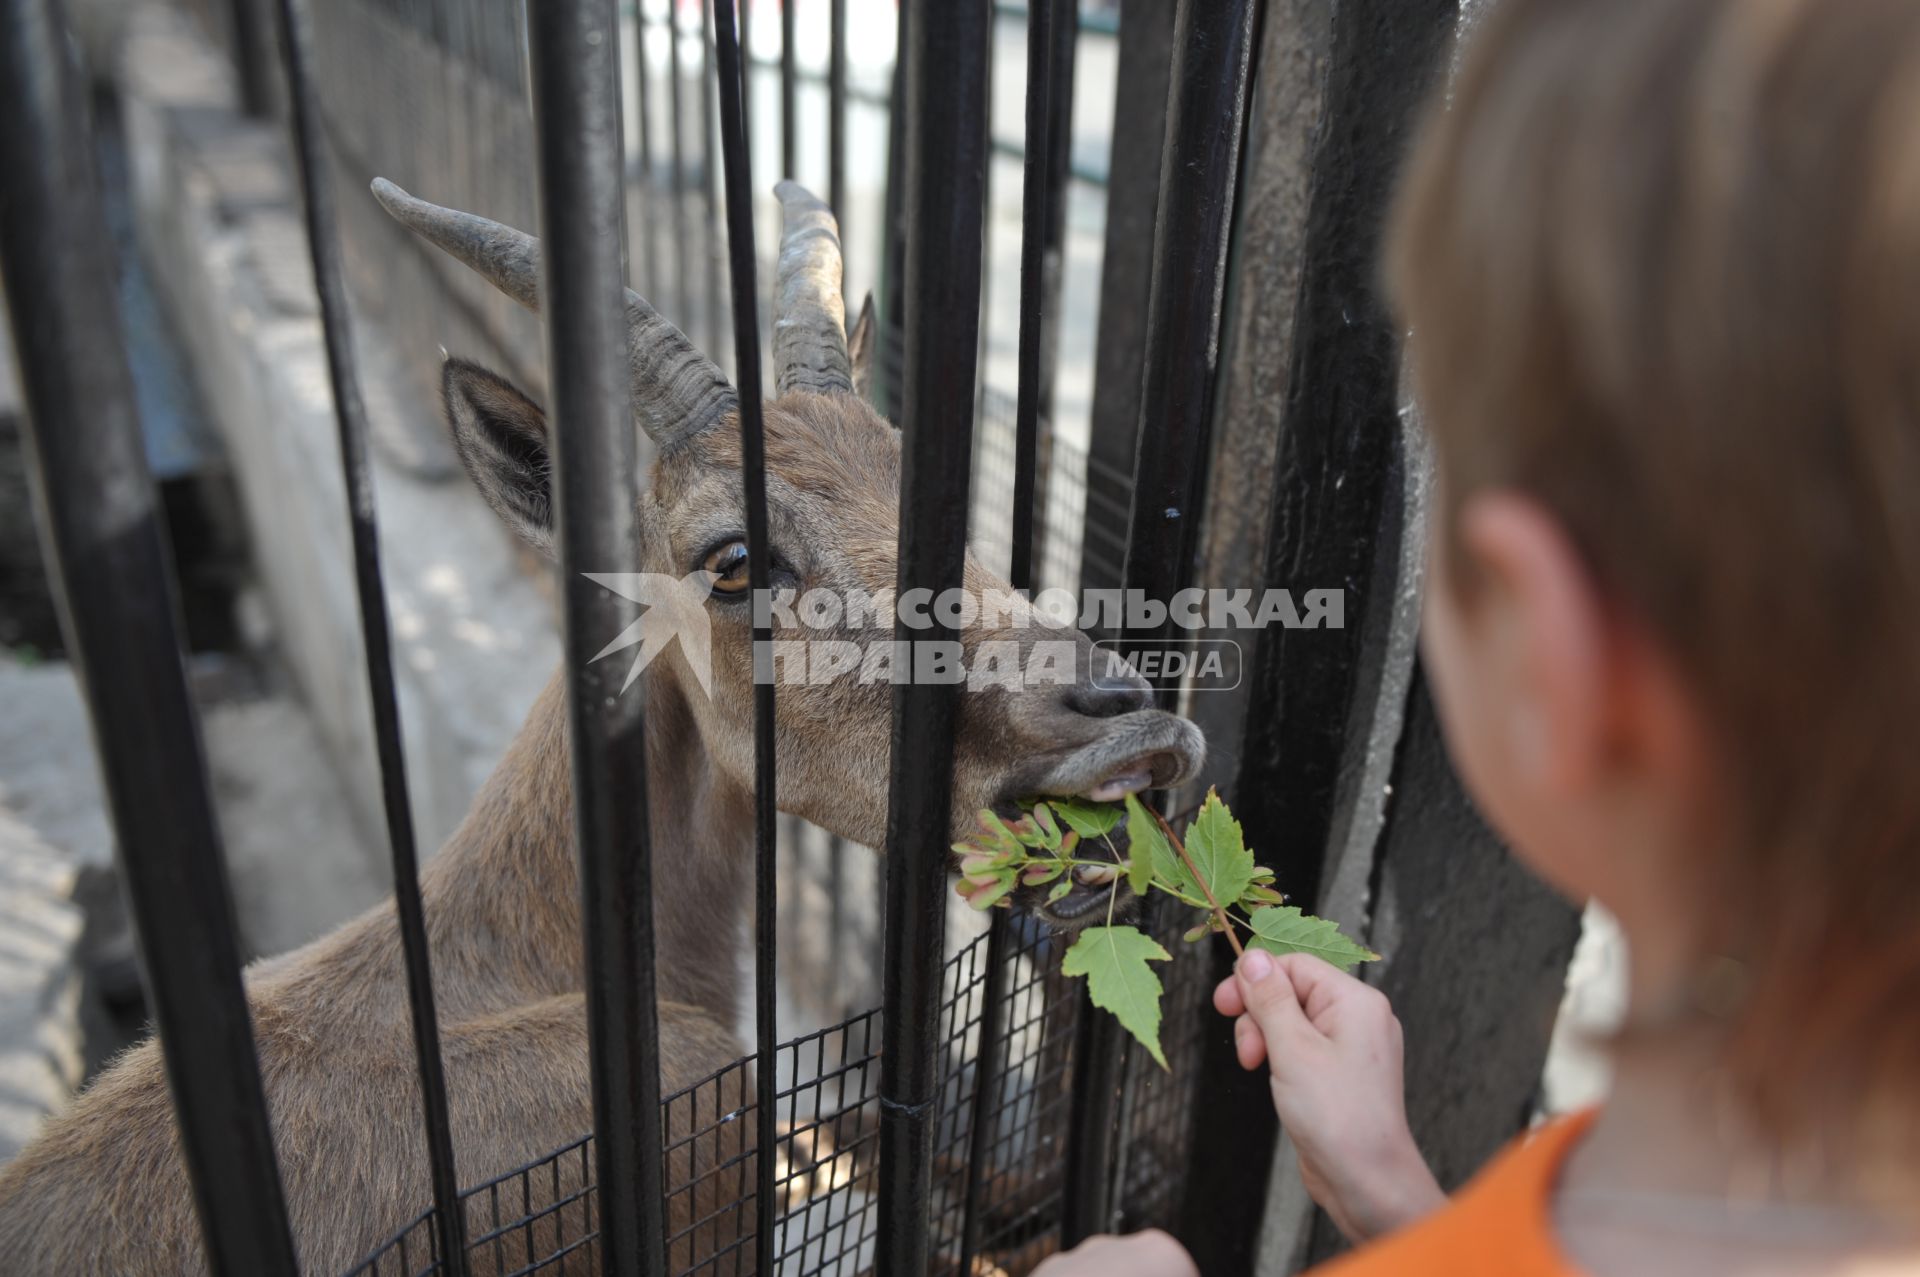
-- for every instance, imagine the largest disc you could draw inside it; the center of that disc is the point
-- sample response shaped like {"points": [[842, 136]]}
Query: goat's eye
{"points": [[728, 563]]}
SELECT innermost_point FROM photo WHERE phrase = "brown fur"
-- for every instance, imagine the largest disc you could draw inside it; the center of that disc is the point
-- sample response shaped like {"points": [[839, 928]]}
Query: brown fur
{"points": [[103, 1190]]}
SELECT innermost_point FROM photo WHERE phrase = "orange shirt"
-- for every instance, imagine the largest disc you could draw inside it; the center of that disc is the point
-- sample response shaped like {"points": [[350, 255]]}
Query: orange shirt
{"points": [[1497, 1226]]}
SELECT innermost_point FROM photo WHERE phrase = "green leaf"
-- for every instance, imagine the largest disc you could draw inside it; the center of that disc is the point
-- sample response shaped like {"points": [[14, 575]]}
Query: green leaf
{"points": [[1218, 851], [990, 894], [1114, 960], [1144, 837], [1140, 872], [1049, 831], [1040, 871], [1287, 930], [1028, 834], [994, 833], [1060, 889], [1089, 820]]}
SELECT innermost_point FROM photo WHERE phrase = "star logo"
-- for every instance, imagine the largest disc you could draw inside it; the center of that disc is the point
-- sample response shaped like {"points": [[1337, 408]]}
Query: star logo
{"points": [[676, 608]]}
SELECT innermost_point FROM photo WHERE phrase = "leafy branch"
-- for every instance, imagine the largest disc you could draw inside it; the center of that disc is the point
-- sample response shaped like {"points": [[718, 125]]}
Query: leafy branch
{"points": [[1211, 870], [1223, 923]]}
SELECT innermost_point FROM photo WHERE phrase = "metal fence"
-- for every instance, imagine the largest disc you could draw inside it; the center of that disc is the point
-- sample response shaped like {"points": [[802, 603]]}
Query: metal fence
{"points": [[981, 1116]]}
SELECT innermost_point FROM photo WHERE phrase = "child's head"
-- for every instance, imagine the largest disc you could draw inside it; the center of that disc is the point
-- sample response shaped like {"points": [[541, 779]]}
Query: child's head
{"points": [[1661, 260]]}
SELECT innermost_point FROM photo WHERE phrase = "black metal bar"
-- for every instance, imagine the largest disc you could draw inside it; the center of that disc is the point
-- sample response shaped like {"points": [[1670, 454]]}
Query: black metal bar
{"points": [[837, 116], [753, 470], [987, 278], [947, 53], [683, 270], [323, 244], [252, 57], [789, 91], [1036, 216], [1065, 42], [572, 52], [710, 178], [893, 234], [837, 915], [107, 547], [1038, 195], [1206, 102], [643, 80], [1126, 276], [1213, 43]]}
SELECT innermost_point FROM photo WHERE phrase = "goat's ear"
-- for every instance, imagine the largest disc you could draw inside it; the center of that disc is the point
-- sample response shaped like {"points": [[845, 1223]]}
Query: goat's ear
{"points": [[860, 351], [501, 436]]}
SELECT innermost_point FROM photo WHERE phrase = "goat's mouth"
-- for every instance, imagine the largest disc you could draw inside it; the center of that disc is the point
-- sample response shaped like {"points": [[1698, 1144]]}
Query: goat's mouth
{"points": [[1147, 749], [1098, 893]]}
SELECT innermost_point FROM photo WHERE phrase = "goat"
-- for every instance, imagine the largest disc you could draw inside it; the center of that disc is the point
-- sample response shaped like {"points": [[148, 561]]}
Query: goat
{"points": [[104, 1190]]}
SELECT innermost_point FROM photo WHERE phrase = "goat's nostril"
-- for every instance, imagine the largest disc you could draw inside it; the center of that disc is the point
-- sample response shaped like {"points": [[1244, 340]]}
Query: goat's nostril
{"points": [[1108, 699]]}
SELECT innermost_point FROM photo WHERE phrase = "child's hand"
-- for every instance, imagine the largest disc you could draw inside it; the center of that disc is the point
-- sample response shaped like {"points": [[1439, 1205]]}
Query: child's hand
{"points": [[1333, 1048], [1148, 1254]]}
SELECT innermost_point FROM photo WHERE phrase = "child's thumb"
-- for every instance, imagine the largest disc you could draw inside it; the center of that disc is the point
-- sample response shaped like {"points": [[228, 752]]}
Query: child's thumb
{"points": [[1270, 997]]}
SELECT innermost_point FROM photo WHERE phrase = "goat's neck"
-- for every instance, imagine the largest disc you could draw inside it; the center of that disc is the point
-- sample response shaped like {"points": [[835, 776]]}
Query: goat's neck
{"points": [[504, 895]]}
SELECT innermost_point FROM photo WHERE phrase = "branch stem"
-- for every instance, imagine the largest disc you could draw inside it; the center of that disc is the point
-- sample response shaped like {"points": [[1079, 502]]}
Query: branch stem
{"points": [[1206, 888]]}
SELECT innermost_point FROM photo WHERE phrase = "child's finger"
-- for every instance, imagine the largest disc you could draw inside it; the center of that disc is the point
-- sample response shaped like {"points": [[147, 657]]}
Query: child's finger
{"points": [[1249, 1044], [1267, 991], [1327, 995]]}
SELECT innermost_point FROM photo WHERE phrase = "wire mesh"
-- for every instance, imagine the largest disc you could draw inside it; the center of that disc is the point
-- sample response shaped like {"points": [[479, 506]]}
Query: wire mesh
{"points": [[543, 1217]]}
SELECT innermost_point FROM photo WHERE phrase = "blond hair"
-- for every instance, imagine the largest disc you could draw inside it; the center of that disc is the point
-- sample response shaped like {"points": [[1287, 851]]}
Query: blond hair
{"points": [[1661, 260]]}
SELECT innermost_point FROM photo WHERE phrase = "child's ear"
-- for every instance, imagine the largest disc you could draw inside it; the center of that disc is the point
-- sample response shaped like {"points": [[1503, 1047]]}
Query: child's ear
{"points": [[501, 436], [1553, 651]]}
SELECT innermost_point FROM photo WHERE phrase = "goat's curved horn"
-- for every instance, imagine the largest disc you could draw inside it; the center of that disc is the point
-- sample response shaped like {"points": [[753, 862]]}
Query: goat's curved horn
{"points": [[677, 392], [809, 328]]}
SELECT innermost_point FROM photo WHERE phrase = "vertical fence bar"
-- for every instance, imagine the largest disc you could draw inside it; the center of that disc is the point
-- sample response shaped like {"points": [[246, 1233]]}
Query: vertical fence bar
{"points": [[1213, 44], [710, 182], [676, 110], [1065, 43], [789, 91], [643, 83], [323, 245], [1126, 279], [251, 56], [837, 116], [947, 54], [100, 523], [572, 51], [1037, 193], [887, 390], [746, 345]]}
